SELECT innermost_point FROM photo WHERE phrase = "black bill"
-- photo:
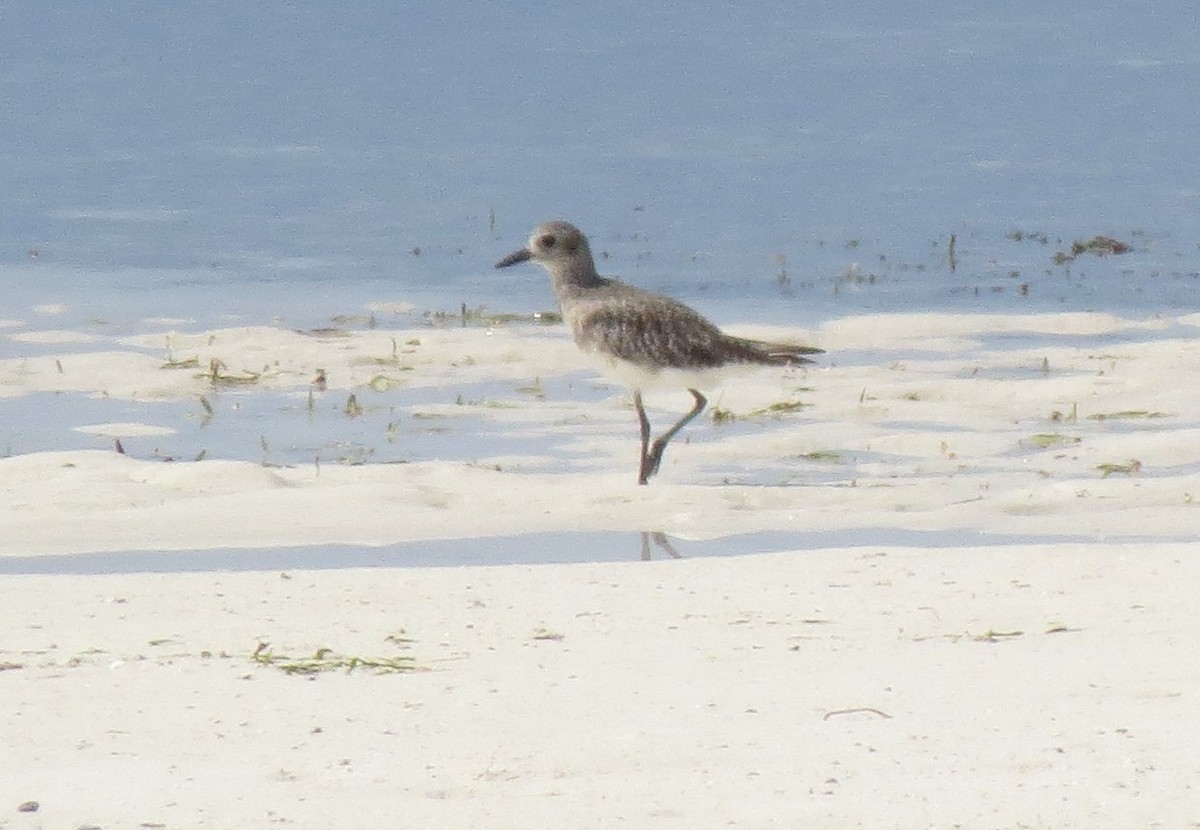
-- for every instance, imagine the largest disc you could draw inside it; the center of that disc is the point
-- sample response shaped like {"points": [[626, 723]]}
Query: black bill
{"points": [[522, 255]]}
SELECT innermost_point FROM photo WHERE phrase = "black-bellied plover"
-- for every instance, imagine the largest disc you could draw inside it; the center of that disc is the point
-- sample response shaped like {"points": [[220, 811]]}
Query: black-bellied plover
{"points": [[643, 337]]}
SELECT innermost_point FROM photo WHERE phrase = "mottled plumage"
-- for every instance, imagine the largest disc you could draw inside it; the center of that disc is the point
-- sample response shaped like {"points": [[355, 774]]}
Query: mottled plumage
{"points": [[655, 332], [640, 334]]}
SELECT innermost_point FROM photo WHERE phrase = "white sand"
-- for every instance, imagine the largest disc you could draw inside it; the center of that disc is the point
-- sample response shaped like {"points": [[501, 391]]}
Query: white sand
{"points": [[1045, 681]]}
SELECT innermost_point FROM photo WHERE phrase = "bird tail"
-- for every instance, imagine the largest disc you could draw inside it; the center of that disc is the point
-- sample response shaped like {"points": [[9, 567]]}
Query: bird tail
{"points": [[779, 354]]}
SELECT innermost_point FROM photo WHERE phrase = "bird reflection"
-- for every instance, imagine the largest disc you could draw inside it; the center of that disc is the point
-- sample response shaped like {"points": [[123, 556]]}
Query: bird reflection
{"points": [[660, 540]]}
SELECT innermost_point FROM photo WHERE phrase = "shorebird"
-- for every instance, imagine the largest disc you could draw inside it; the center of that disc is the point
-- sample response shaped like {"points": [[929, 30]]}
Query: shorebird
{"points": [[642, 337]]}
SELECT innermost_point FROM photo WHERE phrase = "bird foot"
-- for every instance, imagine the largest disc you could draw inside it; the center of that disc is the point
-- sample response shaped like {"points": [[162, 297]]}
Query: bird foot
{"points": [[651, 461]]}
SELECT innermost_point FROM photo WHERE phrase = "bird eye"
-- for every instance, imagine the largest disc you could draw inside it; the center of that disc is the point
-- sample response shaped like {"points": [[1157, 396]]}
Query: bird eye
{"points": [[546, 241]]}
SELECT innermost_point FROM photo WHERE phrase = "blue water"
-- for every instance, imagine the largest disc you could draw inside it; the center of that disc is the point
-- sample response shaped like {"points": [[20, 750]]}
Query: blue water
{"points": [[533, 548], [785, 163], [257, 163], [292, 429]]}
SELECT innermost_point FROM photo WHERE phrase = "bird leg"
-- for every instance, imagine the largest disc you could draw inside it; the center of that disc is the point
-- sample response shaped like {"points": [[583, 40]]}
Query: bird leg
{"points": [[644, 423], [651, 461]]}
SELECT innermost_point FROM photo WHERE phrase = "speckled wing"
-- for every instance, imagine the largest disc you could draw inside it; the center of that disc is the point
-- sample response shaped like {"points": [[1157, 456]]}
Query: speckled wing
{"points": [[655, 332]]}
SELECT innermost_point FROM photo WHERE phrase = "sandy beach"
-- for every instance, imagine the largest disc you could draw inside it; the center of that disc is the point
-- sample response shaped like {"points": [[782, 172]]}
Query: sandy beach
{"points": [[1031, 666]]}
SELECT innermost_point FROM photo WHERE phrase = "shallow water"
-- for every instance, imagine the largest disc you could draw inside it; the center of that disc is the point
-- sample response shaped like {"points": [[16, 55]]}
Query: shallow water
{"points": [[531, 549], [247, 165], [289, 428], [236, 164]]}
